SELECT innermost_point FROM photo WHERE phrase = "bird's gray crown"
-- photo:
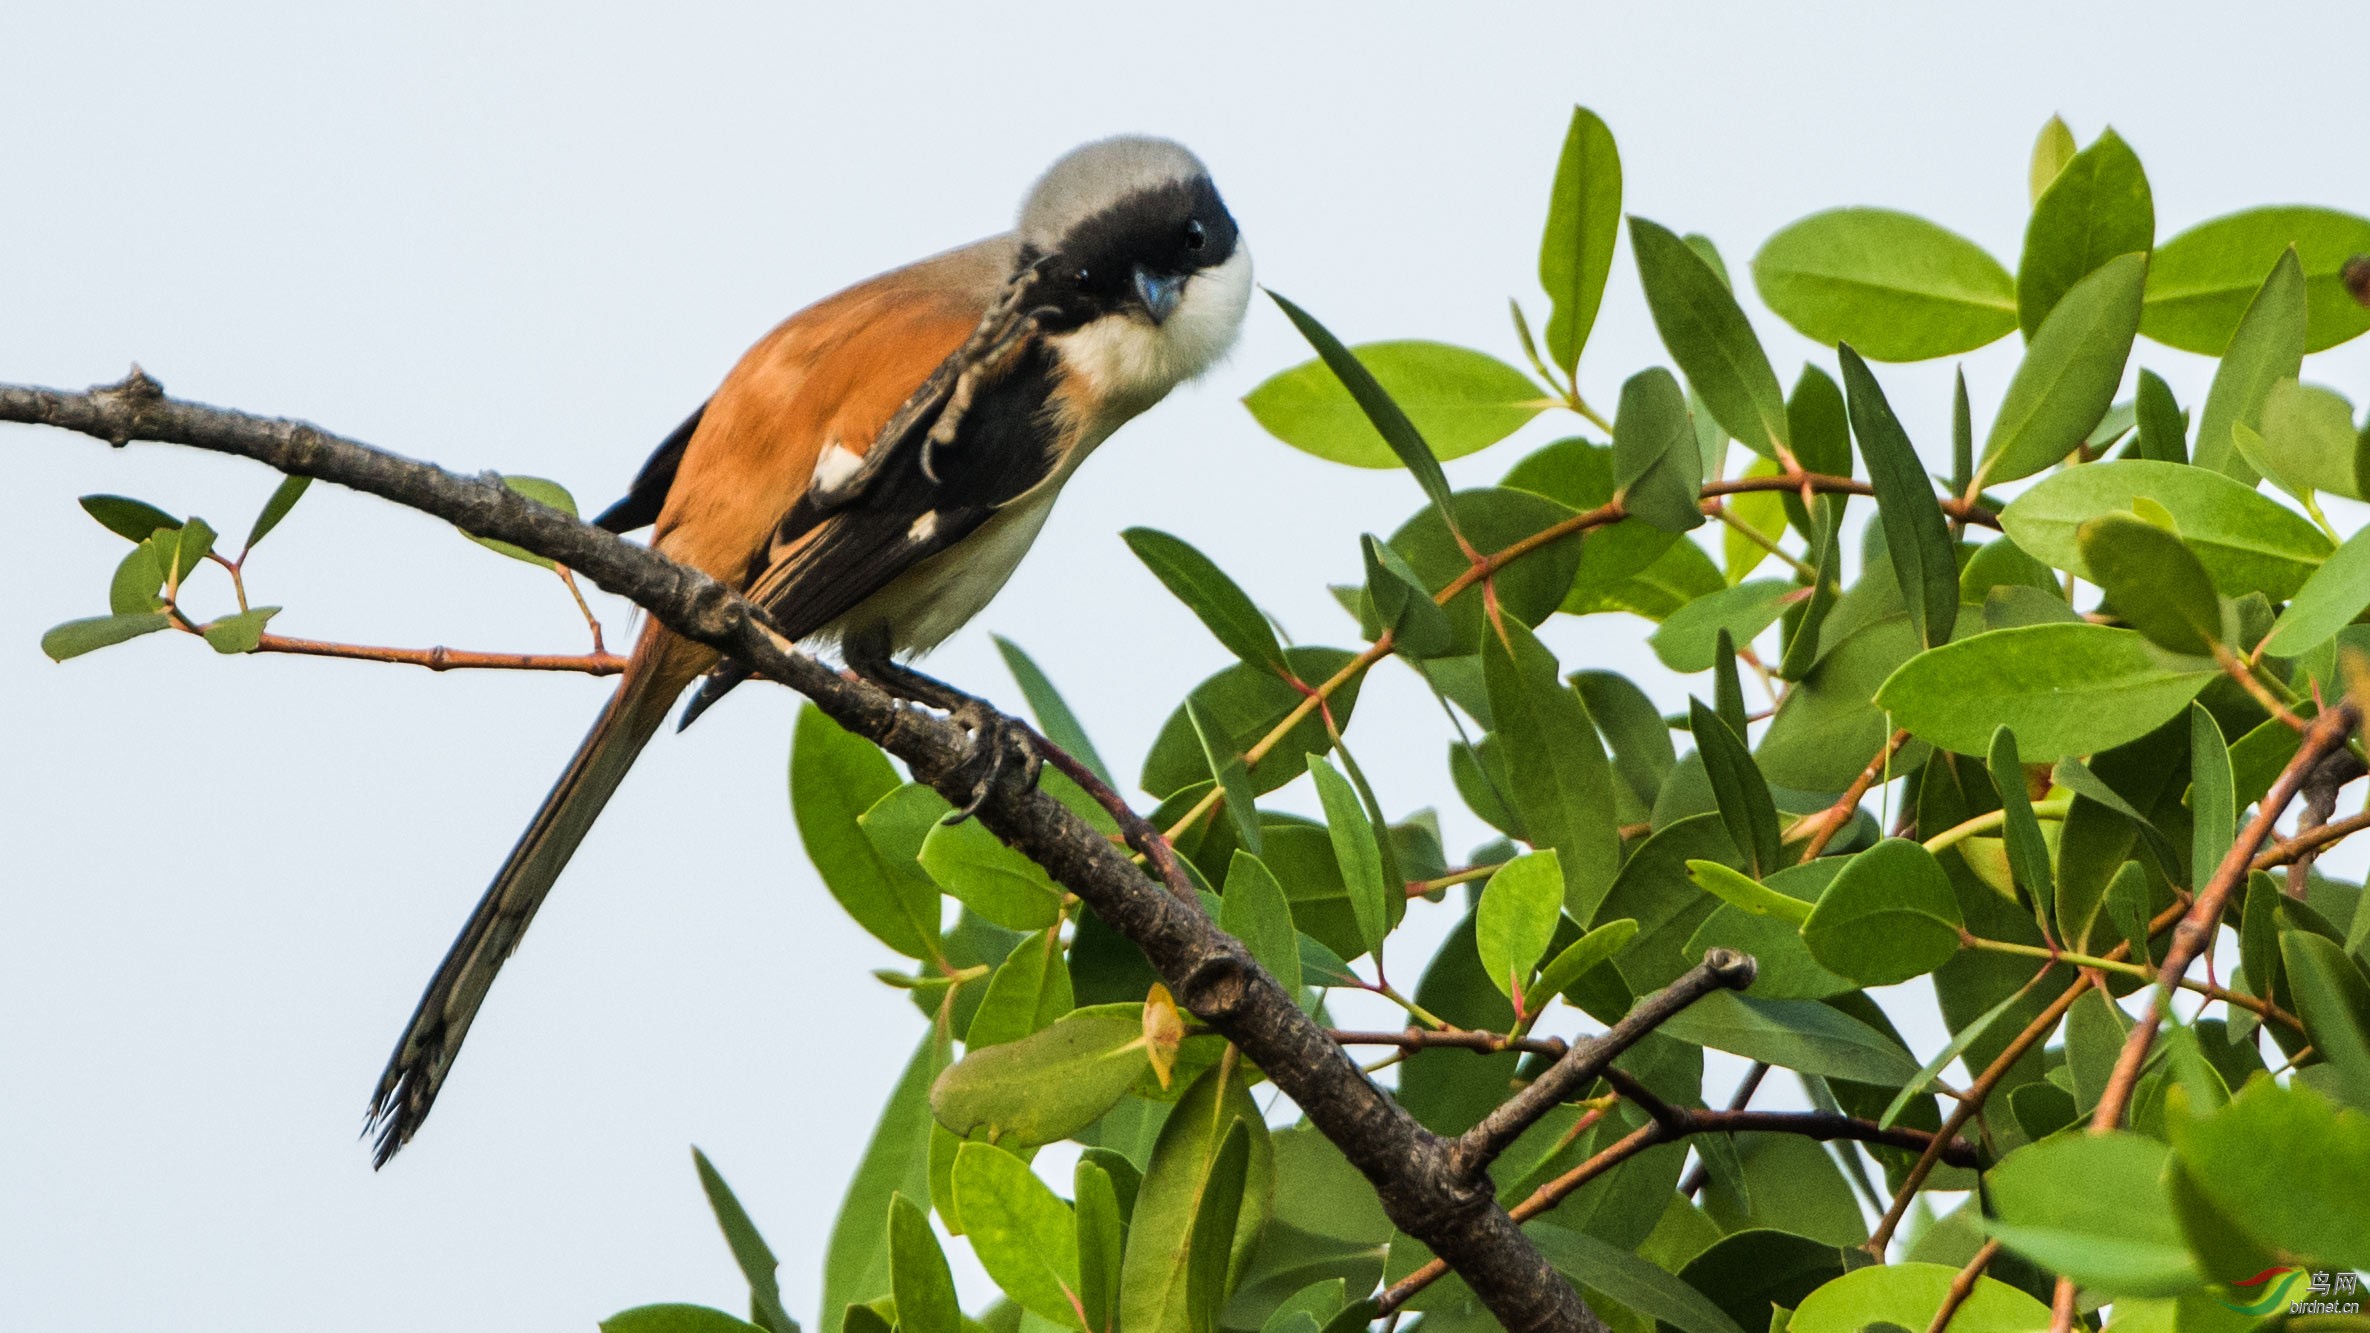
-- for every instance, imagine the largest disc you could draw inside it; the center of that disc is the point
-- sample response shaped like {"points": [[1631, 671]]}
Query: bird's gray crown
{"points": [[1092, 177]]}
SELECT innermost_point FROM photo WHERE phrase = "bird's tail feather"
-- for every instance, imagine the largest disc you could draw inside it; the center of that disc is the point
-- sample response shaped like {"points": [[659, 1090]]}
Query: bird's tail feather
{"points": [[425, 1054]]}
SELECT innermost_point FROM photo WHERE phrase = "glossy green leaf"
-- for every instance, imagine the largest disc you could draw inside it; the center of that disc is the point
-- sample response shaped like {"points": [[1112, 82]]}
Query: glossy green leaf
{"points": [[2068, 377], [1045, 1086], [1908, 1296], [1967, 1035], [1584, 955], [2267, 347], [2020, 829], [1827, 728], [1686, 640], [918, 1274], [1583, 222], [1655, 460], [749, 1250], [1216, 600], [543, 492], [1529, 589], [1747, 894], [2307, 441], [675, 1318], [896, 1159], [2154, 582], [133, 520], [1803, 1035], [1215, 1216], [2095, 209], [1889, 916], [2163, 426], [1636, 1283], [238, 633], [1516, 918], [2064, 689], [1234, 780], [1916, 536], [181, 548], [2330, 599], [283, 498], [2333, 999], [1246, 702], [1027, 993], [1355, 851], [1454, 400], [1054, 718], [2052, 149], [1402, 604], [1024, 1236], [76, 637], [1102, 1240], [1708, 335], [138, 579], [1784, 968], [835, 777], [2094, 1207], [1255, 911], [1894, 285], [1562, 784], [2213, 795], [1156, 1293], [2286, 1165], [2247, 541], [1738, 789], [2201, 281]]}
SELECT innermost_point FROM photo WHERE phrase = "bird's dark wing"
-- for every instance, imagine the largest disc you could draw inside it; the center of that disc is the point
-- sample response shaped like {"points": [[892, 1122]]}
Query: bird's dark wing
{"points": [[648, 494]]}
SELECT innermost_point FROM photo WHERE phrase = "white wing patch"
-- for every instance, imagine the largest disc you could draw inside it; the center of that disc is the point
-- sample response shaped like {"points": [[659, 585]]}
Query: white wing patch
{"points": [[836, 467], [924, 528]]}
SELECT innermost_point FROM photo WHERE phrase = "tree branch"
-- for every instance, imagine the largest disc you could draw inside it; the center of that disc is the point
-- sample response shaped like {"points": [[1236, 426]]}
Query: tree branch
{"points": [[447, 659], [1419, 1177]]}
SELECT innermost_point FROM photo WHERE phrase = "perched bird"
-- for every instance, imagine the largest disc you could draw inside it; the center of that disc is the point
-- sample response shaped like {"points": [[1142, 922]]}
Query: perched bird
{"points": [[870, 474]]}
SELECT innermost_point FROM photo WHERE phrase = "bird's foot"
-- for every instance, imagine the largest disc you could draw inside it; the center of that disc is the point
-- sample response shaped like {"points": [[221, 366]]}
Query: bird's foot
{"points": [[998, 743]]}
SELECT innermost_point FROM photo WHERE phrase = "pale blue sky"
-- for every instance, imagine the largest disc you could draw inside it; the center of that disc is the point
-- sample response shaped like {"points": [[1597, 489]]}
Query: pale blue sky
{"points": [[532, 237]]}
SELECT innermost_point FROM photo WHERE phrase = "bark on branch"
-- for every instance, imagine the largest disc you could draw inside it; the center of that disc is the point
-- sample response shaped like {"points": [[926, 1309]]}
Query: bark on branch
{"points": [[1425, 1184]]}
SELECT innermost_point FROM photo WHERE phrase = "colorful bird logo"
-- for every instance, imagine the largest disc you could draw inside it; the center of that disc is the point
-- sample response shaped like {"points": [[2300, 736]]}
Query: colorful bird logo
{"points": [[2275, 1293]]}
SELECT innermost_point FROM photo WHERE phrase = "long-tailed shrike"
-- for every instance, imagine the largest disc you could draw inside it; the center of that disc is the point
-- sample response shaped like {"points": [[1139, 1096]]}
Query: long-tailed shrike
{"points": [[870, 474]]}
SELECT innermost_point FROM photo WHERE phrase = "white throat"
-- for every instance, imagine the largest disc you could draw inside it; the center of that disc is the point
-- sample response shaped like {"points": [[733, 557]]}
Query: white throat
{"points": [[1131, 363]]}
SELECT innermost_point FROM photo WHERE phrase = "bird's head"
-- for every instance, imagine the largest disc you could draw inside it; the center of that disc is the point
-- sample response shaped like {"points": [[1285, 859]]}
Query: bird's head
{"points": [[1142, 275]]}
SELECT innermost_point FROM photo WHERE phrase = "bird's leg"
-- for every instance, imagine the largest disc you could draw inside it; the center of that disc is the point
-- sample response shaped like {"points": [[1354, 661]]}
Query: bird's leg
{"points": [[997, 741]]}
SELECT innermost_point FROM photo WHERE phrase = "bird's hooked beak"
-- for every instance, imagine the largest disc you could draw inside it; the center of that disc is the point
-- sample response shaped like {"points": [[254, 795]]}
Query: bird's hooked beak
{"points": [[1160, 293]]}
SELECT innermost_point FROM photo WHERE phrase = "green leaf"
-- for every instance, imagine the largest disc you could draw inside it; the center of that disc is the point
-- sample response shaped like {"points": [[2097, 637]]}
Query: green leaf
{"points": [[1255, 911], [1957, 1045], [1583, 222], [2286, 1166], [1708, 335], [1024, 1235], [1045, 1086], [1738, 788], [2308, 442], [749, 1250], [1102, 1240], [239, 633], [1402, 604], [1234, 780], [2094, 1208], [283, 499], [1916, 536], [1028, 992], [2064, 689], [2028, 849], [918, 1275], [1407, 404], [1529, 589], [138, 579], [76, 637], [1214, 1221], [1354, 850], [2213, 795], [1889, 916], [1214, 599], [835, 777], [2097, 208], [1584, 955], [133, 520], [2153, 581], [1747, 894], [675, 1318], [1246, 702], [1908, 1296], [1636, 1283], [1155, 1294], [1655, 460], [2247, 541], [856, 1259], [543, 492], [1896, 286], [182, 548], [1688, 640], [2267, 347], [2333, 999], [2201, 281], [1054, 717], [1803, 1035], [2051, 151], [2163, 426], [1562, 785], [2330, 599], [2068, 377], [1516, 919]]}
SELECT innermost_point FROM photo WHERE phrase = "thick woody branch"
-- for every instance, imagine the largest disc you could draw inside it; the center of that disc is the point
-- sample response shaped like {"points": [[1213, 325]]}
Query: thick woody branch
{"points": [[1419, 1178]]}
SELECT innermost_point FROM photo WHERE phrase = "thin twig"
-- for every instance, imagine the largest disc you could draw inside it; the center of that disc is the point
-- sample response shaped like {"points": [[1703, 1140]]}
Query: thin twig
{"points": [[1422, 1039], [1835, 818], [1963, 1286], [1737, 1101], [2310, 841], [447, 659]]}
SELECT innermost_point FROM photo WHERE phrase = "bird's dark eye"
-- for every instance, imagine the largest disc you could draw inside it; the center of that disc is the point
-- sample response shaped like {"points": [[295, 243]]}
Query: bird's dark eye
{"points": [[1194, 236], [1081, 277]]}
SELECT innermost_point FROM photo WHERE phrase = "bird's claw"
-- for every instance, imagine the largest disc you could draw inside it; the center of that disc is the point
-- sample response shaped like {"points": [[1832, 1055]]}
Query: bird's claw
{"points": [[997, 742]]}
